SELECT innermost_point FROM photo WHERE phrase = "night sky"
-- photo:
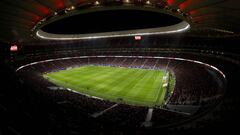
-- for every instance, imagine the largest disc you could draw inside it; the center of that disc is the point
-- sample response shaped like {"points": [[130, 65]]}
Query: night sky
{"points": [[110, 20]]}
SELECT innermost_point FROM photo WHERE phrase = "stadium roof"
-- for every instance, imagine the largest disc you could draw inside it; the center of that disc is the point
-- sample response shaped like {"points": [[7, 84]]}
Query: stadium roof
{"points": [[208, 17]]}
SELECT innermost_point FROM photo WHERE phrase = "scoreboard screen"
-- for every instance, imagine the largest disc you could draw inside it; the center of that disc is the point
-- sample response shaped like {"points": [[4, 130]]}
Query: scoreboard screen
{"points": [[137, 37], [14, 48]]}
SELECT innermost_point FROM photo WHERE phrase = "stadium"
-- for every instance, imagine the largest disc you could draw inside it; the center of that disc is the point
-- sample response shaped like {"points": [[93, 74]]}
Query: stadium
{"points": [[119, 66]]}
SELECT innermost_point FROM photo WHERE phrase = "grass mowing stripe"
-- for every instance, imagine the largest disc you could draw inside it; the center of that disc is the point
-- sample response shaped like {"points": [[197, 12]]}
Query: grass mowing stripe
{"points": [[142, 86], [72, 73], [143, 92], [157, 77], [130, 87], [120, 82], [161, 91], [83, 77], [156, 84], [129, 83], [113, 80], [135, 86], [89, 83], [100, 93], [70, 81], [97, 82]]}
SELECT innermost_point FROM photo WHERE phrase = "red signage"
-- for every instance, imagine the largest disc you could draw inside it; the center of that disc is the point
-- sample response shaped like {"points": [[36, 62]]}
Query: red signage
{"points": [[13, 48], [137, 37]]}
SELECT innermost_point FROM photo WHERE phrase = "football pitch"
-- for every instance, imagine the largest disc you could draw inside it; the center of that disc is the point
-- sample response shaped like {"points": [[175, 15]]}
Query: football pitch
{"points": [[134, 86]]}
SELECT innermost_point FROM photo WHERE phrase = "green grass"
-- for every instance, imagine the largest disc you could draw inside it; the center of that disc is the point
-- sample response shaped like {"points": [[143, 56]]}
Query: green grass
{"points": [[133, 86]]}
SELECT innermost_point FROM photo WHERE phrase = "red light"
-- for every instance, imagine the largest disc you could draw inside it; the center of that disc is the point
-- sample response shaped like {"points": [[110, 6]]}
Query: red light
{"points": [[137, 37], [192, 12], [13, 48], [170, 2], [185, 5], [45, 10], [60, 4], [182, 6]]}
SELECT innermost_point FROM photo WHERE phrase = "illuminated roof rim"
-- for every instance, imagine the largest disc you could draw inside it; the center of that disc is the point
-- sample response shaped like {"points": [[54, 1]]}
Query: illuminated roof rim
{"points": [[177, 28], [180, 27]]}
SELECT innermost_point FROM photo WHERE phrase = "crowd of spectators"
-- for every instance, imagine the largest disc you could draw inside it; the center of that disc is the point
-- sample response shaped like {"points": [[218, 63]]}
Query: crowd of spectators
{"points": [[195, 85]]}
